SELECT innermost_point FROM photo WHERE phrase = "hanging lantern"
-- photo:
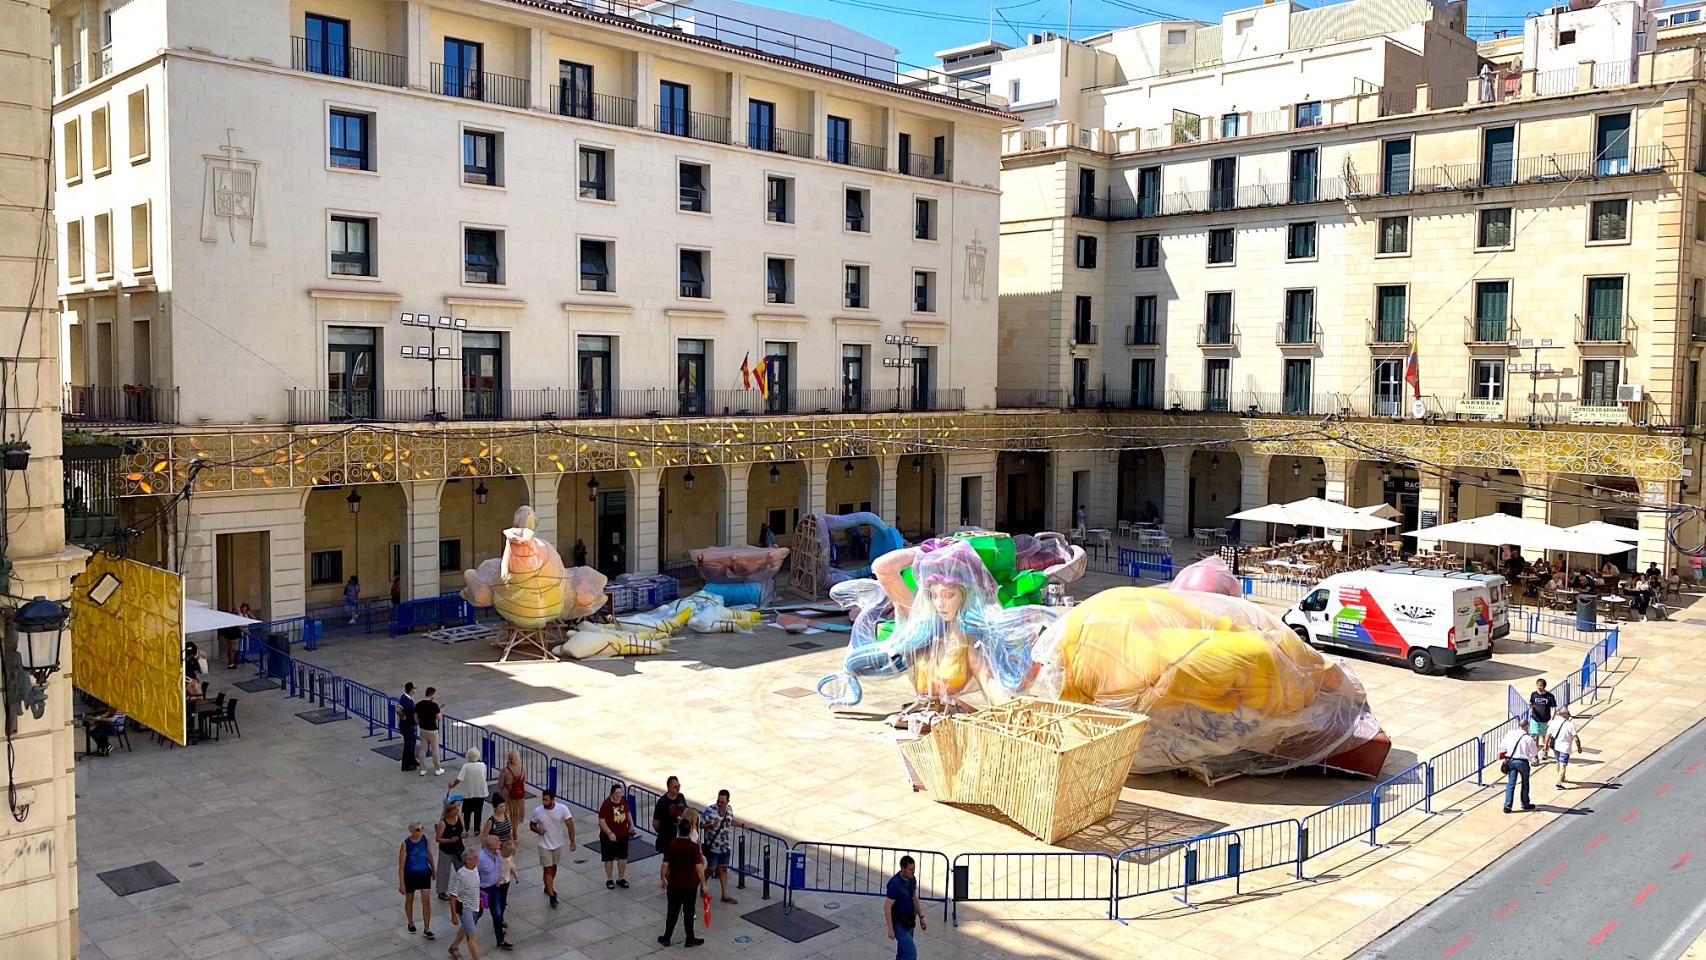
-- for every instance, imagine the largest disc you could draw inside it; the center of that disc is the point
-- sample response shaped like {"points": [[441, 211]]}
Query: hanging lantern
{"points": [[1296, 469], [775, 473], [592, 489], [354, 500], [917, 464], [847, 469], [480, 492], [687, 480]]}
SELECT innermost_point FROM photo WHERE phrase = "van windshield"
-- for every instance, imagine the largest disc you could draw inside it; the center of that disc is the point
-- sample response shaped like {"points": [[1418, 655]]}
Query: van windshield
{"points": [[1315, 602]]}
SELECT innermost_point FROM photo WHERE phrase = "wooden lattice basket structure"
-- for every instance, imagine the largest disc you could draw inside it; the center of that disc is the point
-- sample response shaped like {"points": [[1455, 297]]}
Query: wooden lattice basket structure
{"points": [[1053, 768]]}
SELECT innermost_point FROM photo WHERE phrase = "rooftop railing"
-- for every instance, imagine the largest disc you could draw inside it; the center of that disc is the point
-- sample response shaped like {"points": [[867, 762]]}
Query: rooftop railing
{"points": [[350, 63]]}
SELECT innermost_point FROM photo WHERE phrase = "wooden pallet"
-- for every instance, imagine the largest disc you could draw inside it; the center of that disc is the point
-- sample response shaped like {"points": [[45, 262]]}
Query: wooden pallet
{"points": [[460, 634]]}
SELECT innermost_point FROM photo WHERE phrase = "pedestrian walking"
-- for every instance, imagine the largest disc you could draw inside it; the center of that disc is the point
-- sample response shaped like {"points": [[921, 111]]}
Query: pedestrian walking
{"points": [[414, 875], [493, 889], [406, 726], [499, 825], [717, 825], [512, 785], [352, 598], [426, 717], [681, 875], [1517, 750], [1541, 704], [1565, 741], [470, 782], [465, 906], [669, 809], [615, 826], [510, 874], [902, 911], [448, 833], [556, 827]]}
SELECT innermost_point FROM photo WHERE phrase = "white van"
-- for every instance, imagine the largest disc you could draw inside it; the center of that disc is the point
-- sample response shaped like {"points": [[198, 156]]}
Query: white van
{"points": [[1498, 592], [1431, 623]]}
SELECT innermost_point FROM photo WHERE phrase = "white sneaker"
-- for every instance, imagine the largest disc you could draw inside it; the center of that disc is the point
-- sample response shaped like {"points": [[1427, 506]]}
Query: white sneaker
{"points": [[423, 771], [439, 772]]}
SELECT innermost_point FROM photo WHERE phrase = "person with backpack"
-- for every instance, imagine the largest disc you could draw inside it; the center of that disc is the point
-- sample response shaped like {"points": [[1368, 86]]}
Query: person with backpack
{"points": [[512, 785]]}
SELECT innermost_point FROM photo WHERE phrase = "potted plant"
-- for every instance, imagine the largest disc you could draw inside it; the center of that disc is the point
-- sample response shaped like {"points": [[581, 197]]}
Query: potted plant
{"points": [[80, 445], [15, 455]]}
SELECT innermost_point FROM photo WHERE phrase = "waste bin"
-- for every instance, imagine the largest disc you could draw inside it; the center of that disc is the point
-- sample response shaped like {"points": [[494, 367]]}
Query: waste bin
{"points": [[1586, 614], [278, 655]]}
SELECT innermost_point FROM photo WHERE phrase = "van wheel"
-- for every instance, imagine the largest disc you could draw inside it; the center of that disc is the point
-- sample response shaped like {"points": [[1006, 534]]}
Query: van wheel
{"points": [[1302, 634], [1421, 662]]}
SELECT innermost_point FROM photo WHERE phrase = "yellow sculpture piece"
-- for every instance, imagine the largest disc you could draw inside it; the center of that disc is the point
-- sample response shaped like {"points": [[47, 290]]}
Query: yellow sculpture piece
{"points": [[129, 650], [529, 585]]}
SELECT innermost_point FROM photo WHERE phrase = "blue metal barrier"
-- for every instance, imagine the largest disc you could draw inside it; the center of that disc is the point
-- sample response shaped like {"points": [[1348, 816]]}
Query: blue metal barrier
{"points": [[444, 610], [580, 785], [1287, 590], [369, 614], [1397, 795], [1032, 878], [361, 700], [855, 870], [535, 765], [1146, 564], [1556, 627], [457, 737], [1456, 764], [1339, 824]]}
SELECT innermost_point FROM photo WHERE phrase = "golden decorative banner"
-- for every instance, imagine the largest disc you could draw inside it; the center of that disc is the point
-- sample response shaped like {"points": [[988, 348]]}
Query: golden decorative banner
{"points": [[127, 640]]}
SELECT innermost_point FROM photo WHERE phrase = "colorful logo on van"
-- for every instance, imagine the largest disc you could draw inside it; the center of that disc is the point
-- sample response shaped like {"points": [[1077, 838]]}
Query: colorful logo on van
{"points": [[1361, 622], [1483, 614]]}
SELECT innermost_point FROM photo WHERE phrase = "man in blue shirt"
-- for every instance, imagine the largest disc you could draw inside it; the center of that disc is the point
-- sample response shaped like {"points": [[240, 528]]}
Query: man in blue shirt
{"points": [[903, 911], [406, 725], [491, 884]]}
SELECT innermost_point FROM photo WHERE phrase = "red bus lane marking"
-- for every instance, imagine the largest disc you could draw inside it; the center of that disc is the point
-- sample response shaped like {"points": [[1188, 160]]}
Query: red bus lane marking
{"points": [[1632, 814], [1687, 855], [1693, 766], [1551, 875], [1596, 841], [1604, 932], [1662, 790], [1643, 895], [1505, 910], [1459, 945]]}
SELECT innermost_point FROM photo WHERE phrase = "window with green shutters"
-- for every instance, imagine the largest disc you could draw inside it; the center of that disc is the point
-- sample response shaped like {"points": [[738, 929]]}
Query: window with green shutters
{"points": [[1390, 314], [1492, 311], [1298, 377], [1599, 383], [1605, 310], [1299, 316]]}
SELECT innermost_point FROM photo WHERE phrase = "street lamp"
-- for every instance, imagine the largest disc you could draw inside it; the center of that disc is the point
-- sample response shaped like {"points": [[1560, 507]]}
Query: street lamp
{"points": [[847, 469], [687, 480], [1296, 468], [433, 353], [31, 654], [592, 490], [480, 493], [917, 464], [775, 474], [354, 500]]}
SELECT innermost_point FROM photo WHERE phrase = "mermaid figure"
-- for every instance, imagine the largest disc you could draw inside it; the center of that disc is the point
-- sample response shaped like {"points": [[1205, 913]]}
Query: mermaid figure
{"points": [[956, 635]]}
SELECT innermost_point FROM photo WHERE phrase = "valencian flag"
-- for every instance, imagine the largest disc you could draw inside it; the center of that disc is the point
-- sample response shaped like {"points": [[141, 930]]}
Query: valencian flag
{"points": [[761, 378], [746, 371], [1413, 373]]}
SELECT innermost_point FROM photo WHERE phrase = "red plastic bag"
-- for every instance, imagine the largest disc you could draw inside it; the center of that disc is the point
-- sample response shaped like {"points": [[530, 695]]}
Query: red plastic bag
{"points": [[705, 898]]}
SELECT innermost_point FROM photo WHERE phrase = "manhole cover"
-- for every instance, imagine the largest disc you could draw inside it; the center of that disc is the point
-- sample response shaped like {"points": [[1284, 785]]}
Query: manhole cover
{"points": [[136, 878], [743, 938], [831, 905]]}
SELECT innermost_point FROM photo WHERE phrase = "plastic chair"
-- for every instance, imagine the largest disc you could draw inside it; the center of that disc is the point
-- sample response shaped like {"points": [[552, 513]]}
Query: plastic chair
{"points": [[121, 732], [228, 720]]}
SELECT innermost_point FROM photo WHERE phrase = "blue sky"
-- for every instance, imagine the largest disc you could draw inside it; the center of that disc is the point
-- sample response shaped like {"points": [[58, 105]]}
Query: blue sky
{"points": [[920, 27]]}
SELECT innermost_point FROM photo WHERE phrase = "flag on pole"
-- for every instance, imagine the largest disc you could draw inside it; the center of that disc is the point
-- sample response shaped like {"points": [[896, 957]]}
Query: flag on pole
{"points": [[1413, 373], [746, 371], [761, 378]]}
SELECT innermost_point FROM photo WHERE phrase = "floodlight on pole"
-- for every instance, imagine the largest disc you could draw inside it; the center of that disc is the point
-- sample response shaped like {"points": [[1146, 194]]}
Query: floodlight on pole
{"points": [[433, 353]]}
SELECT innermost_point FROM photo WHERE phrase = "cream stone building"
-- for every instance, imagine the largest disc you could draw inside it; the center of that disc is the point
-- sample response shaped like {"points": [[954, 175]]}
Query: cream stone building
{"points": [[38, 851], [601, 218], [1265, 217]]}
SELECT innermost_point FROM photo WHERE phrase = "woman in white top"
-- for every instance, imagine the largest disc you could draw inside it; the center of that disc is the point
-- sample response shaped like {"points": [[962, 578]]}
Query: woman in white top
{"points": [[471, 783], [1565, 741]]}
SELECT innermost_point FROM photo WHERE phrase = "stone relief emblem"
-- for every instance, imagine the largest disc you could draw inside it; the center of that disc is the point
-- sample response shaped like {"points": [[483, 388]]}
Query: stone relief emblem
{"points": [[977, 256], [231, 194]]}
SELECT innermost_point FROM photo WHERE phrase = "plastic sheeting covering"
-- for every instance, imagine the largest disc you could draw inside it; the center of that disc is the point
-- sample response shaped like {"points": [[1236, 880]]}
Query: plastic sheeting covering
{"points": [[701, 612], [528, 583], [739, 564], [1227, 687]]}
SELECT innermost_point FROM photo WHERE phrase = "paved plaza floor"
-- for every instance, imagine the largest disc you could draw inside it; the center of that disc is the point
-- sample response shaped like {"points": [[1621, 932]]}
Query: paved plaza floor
{"points": [[284, 842]]}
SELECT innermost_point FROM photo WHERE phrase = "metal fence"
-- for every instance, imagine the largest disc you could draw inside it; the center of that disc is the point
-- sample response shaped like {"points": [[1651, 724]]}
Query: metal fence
{"points": [[1278, 588], [369, 614], [857, 870], [1034, 877]]}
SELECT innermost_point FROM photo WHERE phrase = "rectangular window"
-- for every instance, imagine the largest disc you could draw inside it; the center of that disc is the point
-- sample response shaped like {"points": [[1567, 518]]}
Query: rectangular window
{"points": [[1611, 144], [482, 375], [1299, 317], [1143, 383], [857, 202], [1086, 192], [856, 292], [1217, 319], [594, 173], [141, 240], [464, 69], [1604, 310], [1700, 216], [1083, 327], [1223, 183], [760, 125], [1608, 220], [1392, 314], [480, 158], [1488, 381], [1305, 174], [674, 106], [1298, 385], [1300, 241], [1086, 252], [596, 374], [1395, 235], [1599, 383], [778, 280], [695, 195], [778, 199], [575, 92], [480, 256], [1229, 125], [1146, 322], [1148, 191], [693, 285], [326, 566], [923, 380], [100, 145], [1388, 387], [923, 291], [136, 124], [838, 141], [1148, 250], [1220, 245], [449, 555], [346, 135], [852, 377], [691, 370], [71, 151], [74, 251], [1492, 311], [1498, 156], [1309, 114], [1395, 166], [325, 45], [1494, 229], [779, 370], [595, 266], [350, 355], [1217, 385], [350, 244], [923, 219], [103, 246]]}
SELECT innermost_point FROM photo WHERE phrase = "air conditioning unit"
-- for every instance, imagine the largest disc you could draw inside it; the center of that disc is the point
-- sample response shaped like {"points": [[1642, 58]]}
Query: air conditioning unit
{"points": [[1628, 393]]}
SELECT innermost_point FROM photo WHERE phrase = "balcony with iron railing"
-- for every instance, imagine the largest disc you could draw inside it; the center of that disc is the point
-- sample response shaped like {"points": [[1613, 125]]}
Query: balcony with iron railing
{"points": [[70, 77], [1488, 331], [567, 101], [1143, 334], [1697, 329], [1389, 333], [929, 167], [349, 63], [131, 403], [1615, 329], [101, 62], [1084, 334], [1217, 334], [1297, 333], [792, 143], [865, 155], [695, 126], [495, 88], [562, 403]]}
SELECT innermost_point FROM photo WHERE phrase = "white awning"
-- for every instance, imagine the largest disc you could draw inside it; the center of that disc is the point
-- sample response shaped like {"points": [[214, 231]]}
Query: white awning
{"points": [[201, 618], [1500, 528]]}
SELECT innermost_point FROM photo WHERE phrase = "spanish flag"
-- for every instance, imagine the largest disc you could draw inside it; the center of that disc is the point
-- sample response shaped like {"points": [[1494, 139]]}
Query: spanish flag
{"points": [[761, 378], [746, 371]]}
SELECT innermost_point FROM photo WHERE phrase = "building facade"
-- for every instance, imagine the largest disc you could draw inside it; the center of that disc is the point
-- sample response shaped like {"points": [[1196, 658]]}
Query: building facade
{"points": [[1341, 215], [603, 222]]}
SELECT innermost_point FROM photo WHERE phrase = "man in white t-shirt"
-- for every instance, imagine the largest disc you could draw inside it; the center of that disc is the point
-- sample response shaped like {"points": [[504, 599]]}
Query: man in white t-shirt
{"points": [[1565, 741], [1517, 750], [555, 826]]}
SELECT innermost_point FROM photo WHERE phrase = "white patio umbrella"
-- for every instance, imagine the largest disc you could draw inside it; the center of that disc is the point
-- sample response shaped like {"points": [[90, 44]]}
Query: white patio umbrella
{"points": [[1385, 511], [1611, 531], [1274, 513], [1337, 516], [200, 618], [1499, 528]]}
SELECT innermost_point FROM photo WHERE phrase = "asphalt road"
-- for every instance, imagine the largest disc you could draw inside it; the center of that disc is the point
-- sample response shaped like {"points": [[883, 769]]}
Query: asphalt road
{"points": [[1621, 876]]}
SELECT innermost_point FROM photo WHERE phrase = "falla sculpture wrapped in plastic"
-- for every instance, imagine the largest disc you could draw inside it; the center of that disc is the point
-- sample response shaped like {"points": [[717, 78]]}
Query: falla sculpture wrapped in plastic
{"points": [[528, 583], [1228, 689]]}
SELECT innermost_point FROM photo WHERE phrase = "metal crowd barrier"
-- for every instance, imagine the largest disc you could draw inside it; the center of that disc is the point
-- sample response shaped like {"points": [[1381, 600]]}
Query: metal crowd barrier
{"points": [[1035, 877], [1557, 627], [1397, 795], [856, 870], [446, 609], [370, 614], [1146, 564]]}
